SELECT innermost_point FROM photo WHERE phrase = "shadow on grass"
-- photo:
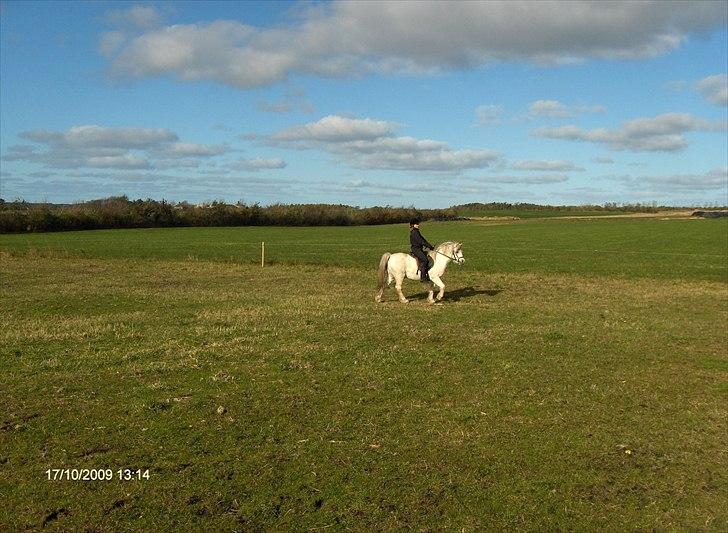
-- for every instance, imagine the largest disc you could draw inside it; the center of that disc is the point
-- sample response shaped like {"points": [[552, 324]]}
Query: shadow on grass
{"points": [[458, 294]]}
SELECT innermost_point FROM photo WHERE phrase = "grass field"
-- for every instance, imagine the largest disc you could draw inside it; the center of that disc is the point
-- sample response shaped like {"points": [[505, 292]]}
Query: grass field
{"points": [[575, 378], [654, 248]]}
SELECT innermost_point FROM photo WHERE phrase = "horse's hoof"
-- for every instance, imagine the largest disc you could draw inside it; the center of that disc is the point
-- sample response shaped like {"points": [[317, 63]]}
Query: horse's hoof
{"points": [[404, 301]]}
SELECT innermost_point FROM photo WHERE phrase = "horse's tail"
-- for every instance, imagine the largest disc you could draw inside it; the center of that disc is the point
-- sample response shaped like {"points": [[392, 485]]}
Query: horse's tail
{"points": [[382, 273], [382, 276]]}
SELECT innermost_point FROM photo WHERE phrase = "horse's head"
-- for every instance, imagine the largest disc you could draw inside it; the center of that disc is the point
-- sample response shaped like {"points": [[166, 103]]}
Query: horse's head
{"points": [[452, 250], [457, 253]]}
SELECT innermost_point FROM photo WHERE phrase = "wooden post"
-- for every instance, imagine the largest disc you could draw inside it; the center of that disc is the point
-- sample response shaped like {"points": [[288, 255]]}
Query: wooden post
{"points": [[262, 254]]}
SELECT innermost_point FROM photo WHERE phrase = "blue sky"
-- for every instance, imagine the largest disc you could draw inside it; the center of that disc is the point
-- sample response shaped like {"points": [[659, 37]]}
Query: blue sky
{"points": [[365, 103]]}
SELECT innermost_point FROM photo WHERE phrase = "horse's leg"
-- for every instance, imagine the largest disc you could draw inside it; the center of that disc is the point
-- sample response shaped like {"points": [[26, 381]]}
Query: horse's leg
{"points": [[430, 299], [437, 281], [380, 293], [398, 285]]}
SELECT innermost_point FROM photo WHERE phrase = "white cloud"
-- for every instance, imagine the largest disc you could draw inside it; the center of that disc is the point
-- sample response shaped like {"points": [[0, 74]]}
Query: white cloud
{"points": [[144, 17], [662, 133], [114, 148], [356, 38], [91, 146], [445, 160], [181, 149], [117, 161], [294, 101], [529, 179], [555, 109], [18, 150], [713, 180], [667, 124], [371, 144], [60, 156], [715, 89], [602, 160], [98, 136], [111, 42], [258, 164], [488, 115], [558, 165], [336, 129], [206, 51], [549, 108], [165, 164], [359, 187], [396, 145]]}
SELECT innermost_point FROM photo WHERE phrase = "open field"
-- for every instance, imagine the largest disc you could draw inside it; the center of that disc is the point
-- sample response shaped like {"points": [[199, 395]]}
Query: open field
{"points": [[654, 248], [576, 378]]}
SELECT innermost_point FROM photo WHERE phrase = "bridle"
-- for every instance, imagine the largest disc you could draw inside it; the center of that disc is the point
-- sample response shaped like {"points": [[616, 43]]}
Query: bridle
{"points": [[450, 258]]}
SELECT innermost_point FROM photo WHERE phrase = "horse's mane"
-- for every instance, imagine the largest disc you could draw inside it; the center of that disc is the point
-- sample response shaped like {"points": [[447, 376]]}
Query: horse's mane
{"points": [[442, 246]]}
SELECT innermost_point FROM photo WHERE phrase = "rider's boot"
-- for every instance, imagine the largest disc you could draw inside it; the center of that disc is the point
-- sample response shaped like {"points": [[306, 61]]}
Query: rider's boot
{"points": [[424, 276]]}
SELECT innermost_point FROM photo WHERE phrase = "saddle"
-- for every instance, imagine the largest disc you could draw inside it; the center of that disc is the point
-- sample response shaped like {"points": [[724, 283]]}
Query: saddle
{"points": [[430, 259]]}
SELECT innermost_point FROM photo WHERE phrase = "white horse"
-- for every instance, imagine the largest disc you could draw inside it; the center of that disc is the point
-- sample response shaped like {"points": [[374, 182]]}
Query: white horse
{"points": [[397, 267]]}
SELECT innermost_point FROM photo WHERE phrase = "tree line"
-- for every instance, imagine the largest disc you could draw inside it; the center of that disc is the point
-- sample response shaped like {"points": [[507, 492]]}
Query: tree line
{"points": [[609, 206], [120, 212]]}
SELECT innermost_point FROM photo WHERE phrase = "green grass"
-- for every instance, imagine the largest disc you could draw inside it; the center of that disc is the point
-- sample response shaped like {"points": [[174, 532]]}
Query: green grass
{"points": [[654, 248], [554, 390]]}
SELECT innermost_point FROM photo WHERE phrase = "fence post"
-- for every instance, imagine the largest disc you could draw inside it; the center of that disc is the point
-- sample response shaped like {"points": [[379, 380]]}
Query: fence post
{"points": [[262, 254]]}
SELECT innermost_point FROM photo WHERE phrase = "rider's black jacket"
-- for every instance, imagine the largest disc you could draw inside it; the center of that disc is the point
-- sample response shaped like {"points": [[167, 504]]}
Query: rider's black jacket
{"points": [[417, 241]]}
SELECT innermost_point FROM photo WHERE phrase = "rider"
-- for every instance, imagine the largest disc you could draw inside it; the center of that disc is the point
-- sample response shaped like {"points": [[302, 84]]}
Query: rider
{"points": [[417, 241]]}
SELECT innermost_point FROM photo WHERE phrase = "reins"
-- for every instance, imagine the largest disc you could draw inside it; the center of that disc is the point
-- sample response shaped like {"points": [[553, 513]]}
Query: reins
{"points": [[450, 258]]}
